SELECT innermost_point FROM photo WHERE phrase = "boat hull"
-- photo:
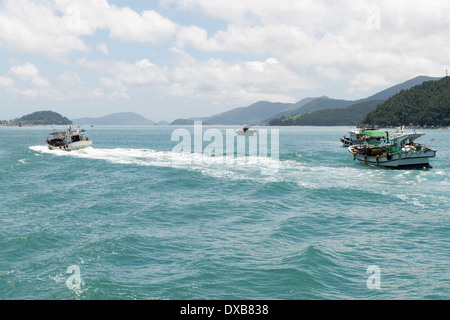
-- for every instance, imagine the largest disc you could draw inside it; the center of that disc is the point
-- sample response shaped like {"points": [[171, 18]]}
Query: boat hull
{"points": [[418, 159], [73, 146], [346, 142], [248, 133]]}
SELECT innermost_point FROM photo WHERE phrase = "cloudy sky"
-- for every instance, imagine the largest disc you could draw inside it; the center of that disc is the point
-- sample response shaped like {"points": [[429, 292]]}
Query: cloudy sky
{"points": [[168, 59]]}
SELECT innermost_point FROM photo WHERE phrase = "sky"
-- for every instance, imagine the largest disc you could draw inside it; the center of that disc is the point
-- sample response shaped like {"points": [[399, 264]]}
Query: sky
{"points": [[172, 59]]}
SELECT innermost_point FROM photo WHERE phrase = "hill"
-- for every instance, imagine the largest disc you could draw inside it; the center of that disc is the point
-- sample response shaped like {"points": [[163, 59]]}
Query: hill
{"points": [[427, 104], [350, 115], [42, 118], [335, 112], [262, 112], [122, 118], [291, 110], [253, 114], [182, 122], [386, 94], [324, 103]]}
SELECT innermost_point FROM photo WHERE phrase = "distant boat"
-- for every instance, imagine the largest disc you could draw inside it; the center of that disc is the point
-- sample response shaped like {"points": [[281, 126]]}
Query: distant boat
{"points": [[355, 136], [245, 131], [68, 140], [400, 151]]}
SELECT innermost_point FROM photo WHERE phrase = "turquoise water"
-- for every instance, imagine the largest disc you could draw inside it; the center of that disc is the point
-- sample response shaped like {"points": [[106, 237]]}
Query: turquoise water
{"points": [[141, 221]]}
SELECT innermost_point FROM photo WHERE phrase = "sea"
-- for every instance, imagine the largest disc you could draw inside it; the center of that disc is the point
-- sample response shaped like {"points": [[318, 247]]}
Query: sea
{"points": [[157, 213]]}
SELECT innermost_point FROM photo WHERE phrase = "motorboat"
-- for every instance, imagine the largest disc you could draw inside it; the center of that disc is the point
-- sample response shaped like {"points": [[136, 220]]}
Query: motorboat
{"points": [[245, 131], [68, 140], [399, 151]]}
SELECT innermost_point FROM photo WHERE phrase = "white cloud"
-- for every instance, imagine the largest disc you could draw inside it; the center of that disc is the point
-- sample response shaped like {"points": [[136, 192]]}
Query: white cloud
{"points": [[244, 81], [123, 23], [141, 72], [149, 26], [28, 26], [116, 89], [29, 74], [103, 48], [364, 82], [69, 80], [394, 40], [54, 28], [6, 82], [245, 50]]}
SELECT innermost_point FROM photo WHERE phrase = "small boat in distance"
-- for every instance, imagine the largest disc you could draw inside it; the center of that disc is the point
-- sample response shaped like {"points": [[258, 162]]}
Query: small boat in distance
{"points": [[245, 131], [68, 140], [400, 151]]}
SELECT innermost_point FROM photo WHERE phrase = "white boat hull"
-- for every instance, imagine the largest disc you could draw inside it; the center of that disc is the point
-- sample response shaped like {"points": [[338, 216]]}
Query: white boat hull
{"points": [[73, 146], [418, 159], [248, 133]]}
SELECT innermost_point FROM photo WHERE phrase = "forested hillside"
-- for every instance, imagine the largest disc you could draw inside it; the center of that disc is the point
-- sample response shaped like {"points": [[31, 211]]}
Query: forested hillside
{"points": [[351, 115], [427, 104]]}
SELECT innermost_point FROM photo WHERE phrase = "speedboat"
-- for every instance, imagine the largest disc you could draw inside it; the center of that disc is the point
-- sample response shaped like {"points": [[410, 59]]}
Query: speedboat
{"points": [[400, 151], [68, 140], [245, 131]]}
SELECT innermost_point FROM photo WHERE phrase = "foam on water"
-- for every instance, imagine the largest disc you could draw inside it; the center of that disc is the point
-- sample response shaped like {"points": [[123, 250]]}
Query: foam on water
{"points": [[261, 169], [215, 166]]}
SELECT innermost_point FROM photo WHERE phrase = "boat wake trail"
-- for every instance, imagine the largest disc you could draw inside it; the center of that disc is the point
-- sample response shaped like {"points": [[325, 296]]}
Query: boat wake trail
{"points": [[218, 166], [235, 168]]}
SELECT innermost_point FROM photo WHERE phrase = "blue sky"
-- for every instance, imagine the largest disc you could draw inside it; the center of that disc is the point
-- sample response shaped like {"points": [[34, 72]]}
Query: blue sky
{"points": [[171, 59]]}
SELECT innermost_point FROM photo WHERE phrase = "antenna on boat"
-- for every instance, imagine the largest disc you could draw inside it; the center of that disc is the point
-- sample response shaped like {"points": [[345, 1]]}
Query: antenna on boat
{"points": [[431, 142]]}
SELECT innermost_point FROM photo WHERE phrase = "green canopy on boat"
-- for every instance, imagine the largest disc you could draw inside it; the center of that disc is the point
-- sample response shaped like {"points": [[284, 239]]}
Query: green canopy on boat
{"points": [[373, 133]]}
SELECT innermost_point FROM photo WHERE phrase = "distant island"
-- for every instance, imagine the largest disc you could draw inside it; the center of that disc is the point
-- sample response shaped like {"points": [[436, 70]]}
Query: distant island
{"points": [[39, 118], [121, 118], [182, 122]]}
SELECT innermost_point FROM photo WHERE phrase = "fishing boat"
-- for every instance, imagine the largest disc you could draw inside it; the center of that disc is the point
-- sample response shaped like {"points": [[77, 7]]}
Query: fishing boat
{"points": [[245, 131], [398, 151], [68, 140]]}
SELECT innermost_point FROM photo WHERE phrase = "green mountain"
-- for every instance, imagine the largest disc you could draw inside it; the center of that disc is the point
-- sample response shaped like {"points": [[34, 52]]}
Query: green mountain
{"points": [[427, 104], [323, 103], [182, 122], [386, 94], [263, 112], [122, 118], [42, 118], [350, 115], [292, 109], [333, 112]]}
